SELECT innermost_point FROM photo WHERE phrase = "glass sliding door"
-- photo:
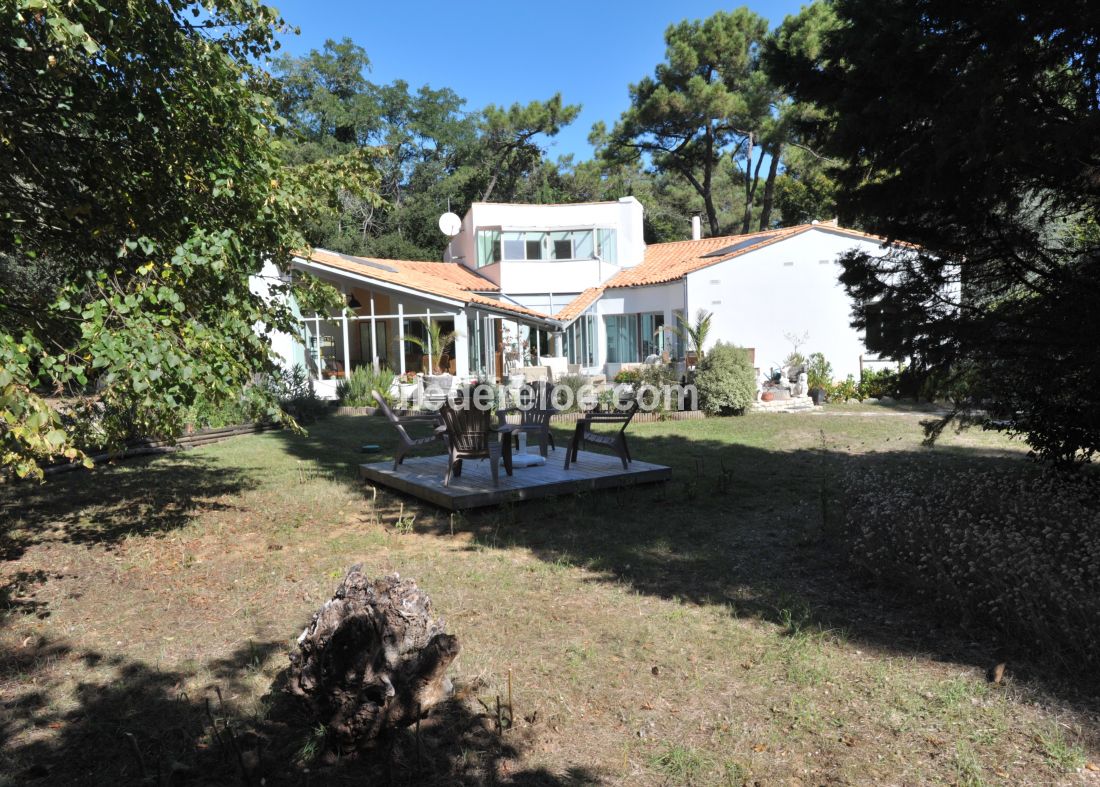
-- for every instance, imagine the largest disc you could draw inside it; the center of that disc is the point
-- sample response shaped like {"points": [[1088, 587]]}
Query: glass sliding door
{"points": [[365, 346], [653, 334], [622, 338]]}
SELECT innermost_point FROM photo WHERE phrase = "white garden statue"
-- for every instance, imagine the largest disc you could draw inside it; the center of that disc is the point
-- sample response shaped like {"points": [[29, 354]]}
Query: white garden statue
{"points": [[803, 386]]}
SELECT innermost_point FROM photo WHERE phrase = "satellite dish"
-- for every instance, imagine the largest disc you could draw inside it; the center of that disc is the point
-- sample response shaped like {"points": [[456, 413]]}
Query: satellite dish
{"points": [[450, 224]]}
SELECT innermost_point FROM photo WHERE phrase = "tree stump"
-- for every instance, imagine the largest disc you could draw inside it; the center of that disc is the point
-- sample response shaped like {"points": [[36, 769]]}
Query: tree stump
{"points": [[372, 660]]}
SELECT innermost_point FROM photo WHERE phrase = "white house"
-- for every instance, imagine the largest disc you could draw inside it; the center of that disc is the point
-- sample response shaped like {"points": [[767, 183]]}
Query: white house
{"points": [[521, 282]]}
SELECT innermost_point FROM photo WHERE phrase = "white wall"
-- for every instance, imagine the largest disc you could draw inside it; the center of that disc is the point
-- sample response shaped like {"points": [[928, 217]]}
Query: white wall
{"points": [[758, 298], [522, 277], [288, 350], [664, 298]]}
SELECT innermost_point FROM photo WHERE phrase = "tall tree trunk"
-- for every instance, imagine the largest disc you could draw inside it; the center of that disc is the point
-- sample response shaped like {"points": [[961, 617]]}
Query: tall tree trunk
{"points": [[489, 189], [712, 213], [708, 178], [769, 188], [704, 190], [752, 179]]}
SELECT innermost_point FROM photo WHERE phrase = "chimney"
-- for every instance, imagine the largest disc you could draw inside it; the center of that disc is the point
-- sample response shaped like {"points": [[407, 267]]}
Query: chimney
{"points": [[696, 228]]}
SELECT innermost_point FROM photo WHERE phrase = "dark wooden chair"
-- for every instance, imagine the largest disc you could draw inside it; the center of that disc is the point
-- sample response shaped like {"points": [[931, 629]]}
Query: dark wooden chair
{"points": [[406, 442], [616, 441], [534, 417], [470, 434]]}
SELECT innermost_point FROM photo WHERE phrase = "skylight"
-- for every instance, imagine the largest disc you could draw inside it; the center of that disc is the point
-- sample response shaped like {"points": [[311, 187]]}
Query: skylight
{"points": [[744, 244]]}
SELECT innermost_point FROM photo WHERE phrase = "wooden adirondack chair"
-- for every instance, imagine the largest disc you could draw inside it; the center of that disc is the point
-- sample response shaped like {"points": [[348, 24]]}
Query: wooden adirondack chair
{"points": [[616, 441], [407, 442], [470, 434], [534, 418]]}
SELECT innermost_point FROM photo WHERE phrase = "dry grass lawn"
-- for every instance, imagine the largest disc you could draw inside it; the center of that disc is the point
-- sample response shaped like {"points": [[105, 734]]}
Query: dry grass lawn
{"points": [[706, 631]]}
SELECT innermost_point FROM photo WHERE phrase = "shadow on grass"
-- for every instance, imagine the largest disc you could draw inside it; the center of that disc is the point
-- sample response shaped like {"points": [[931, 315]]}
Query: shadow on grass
{"points": [[755, 529], [102, 507], [135, 724]]}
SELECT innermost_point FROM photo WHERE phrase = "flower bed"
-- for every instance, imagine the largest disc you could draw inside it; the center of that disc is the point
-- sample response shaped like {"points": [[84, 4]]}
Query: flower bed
{"points": [[1017, 549]]}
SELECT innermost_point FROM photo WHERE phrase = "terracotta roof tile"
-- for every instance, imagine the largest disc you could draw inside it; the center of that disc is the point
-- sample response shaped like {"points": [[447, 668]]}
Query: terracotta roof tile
{"points": [[443, 279], [665, 262], [576, 307], [453, 272]]}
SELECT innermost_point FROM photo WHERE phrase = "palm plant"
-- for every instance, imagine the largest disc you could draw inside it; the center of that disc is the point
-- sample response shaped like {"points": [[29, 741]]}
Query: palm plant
{"points": [[434, 344], [695, 335]]}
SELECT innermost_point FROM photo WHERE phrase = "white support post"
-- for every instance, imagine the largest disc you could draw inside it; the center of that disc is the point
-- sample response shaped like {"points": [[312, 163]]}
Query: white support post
{"points": [[428, 323], [401, 335], [347, 343], [373, 335], [462, 346], [476, 339], [317, 344], [490, 346]]}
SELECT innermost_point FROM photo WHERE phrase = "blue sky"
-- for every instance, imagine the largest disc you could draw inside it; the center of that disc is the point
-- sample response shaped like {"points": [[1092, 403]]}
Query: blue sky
{"points": [[502, 52]]}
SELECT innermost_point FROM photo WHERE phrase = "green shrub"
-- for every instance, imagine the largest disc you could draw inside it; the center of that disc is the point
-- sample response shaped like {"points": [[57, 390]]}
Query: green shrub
{"points": [[296, 394], [653, 382], [725, 380], [845, 390], [575, 383], [356, 390], [795, 361], [628, 376], [877, 384], [203, 414], [819, 372]]}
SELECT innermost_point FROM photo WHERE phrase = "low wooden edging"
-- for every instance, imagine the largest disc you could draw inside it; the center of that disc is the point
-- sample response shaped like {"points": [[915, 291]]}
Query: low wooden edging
{"points": [[570, 418], [147, 447], [640, 417], [355, 410]]}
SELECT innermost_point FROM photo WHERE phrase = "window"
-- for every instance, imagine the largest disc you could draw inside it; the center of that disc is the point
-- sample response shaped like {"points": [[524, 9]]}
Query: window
{"points": [[622, 338], [494, 245], [653, 334], [676, 349], [366, 347], [580, 341], [606, 246], [591, 337], [514, 246], [632, 338], [488, 247]]}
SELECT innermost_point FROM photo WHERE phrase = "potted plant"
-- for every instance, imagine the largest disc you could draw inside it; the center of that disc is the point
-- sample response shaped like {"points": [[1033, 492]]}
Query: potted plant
{"points": [[407, 386], [437, 384], [433, 345], [819, 373]]}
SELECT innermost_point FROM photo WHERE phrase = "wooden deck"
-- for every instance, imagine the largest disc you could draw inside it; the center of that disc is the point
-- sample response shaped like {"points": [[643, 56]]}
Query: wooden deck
{"points": [[423, 477]]}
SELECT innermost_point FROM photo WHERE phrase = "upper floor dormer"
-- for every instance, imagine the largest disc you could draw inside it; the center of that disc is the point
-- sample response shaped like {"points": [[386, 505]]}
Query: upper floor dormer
{"points": [[549, 248]]}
